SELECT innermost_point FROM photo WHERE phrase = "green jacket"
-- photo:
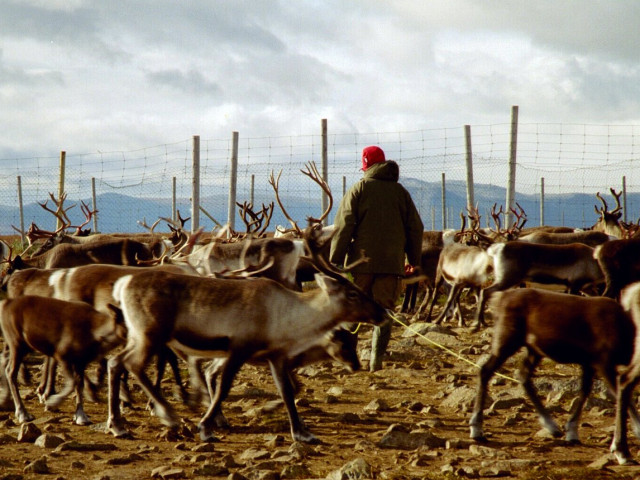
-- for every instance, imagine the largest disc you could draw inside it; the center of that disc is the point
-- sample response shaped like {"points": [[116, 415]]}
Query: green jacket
{"points": [[377, 215]]}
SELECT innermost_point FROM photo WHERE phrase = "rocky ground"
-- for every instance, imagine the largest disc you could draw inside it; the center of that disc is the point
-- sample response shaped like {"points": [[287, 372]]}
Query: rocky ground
{"points": [[407, 421]]}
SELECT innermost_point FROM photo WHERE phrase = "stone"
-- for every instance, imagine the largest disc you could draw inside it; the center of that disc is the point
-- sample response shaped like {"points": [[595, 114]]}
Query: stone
{"points": [[39, 466], [28, 433], [48, 441], [357, 469]]}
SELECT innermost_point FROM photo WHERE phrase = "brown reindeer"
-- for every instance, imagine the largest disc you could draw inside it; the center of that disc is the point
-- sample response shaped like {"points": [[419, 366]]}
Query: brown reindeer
{"points": [[593, 332], [620, 264], [73, 333], [627, 379], [516, 262]]}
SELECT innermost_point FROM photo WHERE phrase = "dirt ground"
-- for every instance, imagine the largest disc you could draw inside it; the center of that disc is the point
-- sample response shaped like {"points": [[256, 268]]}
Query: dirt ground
{"points": [[407, 421]]}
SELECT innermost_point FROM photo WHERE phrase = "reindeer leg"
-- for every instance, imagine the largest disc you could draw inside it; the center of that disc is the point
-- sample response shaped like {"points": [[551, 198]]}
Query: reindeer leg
{"points": [[80, 417], [135, 362], [6, 402], [528, 366], [46, 388], [626, 383], [282, 378], [503, 347], [115, 424], [53, 401], [197, 382], [433, 296], [213, 370], [572, 423], [234, 362], [11, 370], [172, 358], [453, 294]]}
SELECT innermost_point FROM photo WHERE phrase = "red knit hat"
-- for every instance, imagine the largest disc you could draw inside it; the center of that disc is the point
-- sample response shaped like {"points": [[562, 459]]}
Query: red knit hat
{"points": [[371, 155]]}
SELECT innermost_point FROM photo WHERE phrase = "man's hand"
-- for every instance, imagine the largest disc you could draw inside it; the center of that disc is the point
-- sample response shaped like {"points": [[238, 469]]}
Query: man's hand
{"points": [[409, 270]]}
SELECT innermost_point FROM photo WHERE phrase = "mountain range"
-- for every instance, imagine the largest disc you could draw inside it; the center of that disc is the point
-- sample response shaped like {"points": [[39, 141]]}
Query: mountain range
{"points": [[121, 213]]}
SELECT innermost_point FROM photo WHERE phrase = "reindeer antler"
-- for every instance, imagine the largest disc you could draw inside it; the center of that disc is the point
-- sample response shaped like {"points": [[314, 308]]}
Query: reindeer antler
{"points": [[313, 174], [275, 183]]}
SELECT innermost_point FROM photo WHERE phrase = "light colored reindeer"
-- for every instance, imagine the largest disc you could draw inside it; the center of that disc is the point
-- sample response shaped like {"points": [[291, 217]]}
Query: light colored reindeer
{"points": [[232, 319]]}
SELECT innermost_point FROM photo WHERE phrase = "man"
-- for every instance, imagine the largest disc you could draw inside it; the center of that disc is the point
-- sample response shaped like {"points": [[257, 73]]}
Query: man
{"points": [[378, 217]]}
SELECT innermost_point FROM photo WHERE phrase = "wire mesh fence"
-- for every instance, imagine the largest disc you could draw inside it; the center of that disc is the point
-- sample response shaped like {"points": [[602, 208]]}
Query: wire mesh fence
{"points": [[564, 164]]}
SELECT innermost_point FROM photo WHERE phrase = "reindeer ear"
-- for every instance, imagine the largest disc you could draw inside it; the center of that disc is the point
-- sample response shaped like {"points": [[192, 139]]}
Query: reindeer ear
{"points": [[326, 283]]}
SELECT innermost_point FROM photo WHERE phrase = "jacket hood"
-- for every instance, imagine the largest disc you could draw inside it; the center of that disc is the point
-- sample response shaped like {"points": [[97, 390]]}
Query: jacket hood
{"points": [[389, 171]]}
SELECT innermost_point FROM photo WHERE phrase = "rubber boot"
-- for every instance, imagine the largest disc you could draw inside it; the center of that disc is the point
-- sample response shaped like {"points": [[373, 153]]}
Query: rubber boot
{"points": [[379, 342]]}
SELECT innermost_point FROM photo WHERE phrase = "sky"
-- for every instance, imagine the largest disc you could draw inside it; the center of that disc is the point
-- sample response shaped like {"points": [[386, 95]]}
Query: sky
{"points": [[90, 76]]}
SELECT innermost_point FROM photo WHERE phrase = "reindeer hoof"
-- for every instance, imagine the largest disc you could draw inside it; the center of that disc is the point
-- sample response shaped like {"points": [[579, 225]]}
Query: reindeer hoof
{"points": [[117, 429], [81, 419], [24, 417], [623, 459], [305, 436], [206, 436]]}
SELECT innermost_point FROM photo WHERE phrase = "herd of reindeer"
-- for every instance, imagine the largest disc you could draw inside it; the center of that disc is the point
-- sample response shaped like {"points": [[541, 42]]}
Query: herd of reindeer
{"points": [[218, 300]]}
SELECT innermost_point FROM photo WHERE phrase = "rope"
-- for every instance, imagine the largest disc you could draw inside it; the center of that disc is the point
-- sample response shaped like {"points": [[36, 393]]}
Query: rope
{"points": [[448, 350]]}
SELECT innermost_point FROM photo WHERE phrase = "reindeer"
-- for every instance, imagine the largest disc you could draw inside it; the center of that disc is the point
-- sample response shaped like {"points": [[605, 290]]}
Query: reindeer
{"points": [[462, 265], [236, 320], [73, 333], [619, 261], [594, 332], [591, 238], [628, 378], [609, 221], [516, 262], [117, 251], [338, 345]]}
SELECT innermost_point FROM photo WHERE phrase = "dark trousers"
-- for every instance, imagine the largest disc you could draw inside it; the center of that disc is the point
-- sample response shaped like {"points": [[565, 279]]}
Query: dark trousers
{"points": [[384, 289]]}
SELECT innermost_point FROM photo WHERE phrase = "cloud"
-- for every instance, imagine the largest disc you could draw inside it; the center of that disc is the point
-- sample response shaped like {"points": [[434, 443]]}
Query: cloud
{"points": [[117, 75]]}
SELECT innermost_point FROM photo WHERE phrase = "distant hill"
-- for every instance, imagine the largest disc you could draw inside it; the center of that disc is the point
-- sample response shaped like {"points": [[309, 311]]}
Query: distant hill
{"points": [[120, 213]]}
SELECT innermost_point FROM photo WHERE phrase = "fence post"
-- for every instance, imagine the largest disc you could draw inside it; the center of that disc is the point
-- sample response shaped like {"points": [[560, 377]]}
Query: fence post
{"points": [[63, 156], [195, 185], [233, 180], [344, 185], [21, 208], [173, 199], [542, 201], [444, 204], [469, 158], [252, 190], [511, 182], [624, 198], [94, 204], [325, 166]]}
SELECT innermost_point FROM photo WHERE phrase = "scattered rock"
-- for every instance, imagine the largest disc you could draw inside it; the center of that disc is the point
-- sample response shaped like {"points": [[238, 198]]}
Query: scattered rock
{"points": [[39, 466], [5, 439], [296, 470], [357, 469], [167, 472], [397, 438], [48, 441], [377, 405], [28, 433], [211, 470], [86, 447], [253, 454]]}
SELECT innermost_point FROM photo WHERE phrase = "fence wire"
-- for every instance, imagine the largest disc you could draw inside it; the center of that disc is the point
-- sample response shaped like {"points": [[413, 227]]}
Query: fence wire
{"points": [[573, 161]]}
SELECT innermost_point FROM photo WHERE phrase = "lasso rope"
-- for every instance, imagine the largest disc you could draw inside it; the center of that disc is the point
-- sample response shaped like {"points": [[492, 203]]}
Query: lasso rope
{"points": [[442, 347]]}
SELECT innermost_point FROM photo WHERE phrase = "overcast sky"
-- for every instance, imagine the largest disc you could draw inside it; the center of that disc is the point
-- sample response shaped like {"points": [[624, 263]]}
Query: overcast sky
{"points": [[87, 76]]}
